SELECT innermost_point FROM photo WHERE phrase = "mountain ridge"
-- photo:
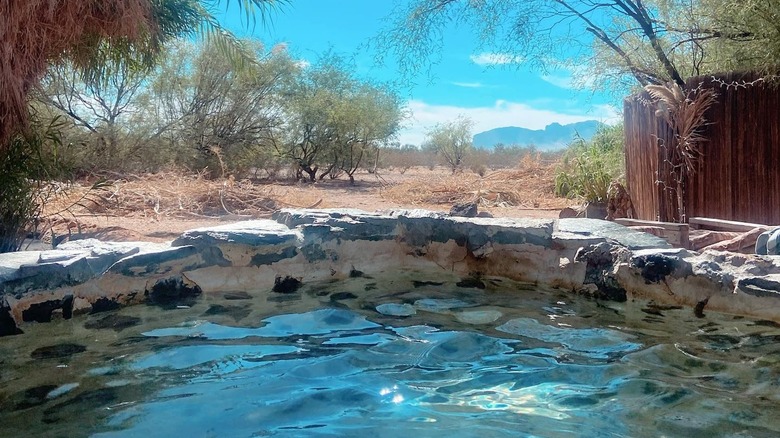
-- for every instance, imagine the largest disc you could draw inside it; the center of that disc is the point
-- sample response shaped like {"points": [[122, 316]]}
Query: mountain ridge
{"points": [[553, 136]]}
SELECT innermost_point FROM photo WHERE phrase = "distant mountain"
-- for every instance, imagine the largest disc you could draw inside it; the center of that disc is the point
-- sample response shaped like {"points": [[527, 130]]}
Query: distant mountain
{"points": [[554, 136]]}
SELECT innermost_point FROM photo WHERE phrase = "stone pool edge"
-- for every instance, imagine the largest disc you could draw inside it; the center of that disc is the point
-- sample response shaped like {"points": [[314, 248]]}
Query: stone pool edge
{"points": [[587, 256]]}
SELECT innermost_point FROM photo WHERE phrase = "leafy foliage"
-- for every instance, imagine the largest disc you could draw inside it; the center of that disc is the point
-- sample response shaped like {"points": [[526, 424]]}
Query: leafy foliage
{"points": [[589, 167], [31, 159], [333, 119], [610, 44]]}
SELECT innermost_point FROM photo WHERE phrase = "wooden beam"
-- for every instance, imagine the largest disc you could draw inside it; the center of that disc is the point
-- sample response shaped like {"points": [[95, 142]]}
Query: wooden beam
{"points": [[643, 223], [723, 225]]}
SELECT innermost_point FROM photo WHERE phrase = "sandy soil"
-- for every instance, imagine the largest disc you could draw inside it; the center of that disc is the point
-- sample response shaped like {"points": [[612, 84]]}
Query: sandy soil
{"points": [[137, 210]]}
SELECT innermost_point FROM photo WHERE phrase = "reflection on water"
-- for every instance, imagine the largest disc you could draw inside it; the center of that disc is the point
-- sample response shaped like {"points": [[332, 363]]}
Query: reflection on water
{"points": [[347, 359]]}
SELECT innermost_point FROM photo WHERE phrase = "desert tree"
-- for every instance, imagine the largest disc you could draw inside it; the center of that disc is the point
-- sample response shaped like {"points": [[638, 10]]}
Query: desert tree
{"points": [[214, 114], [102, 109], [333, 118], [451, 140], [369, 117], [95, 36], [309, 103]]}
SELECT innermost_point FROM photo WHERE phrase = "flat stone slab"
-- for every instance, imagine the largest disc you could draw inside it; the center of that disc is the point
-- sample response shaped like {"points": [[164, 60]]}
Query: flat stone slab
{"points": [[601, 229], [249, 233]]}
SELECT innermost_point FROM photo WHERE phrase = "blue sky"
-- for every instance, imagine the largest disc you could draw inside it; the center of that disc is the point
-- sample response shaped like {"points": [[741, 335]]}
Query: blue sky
{"points": [[490, 88]]}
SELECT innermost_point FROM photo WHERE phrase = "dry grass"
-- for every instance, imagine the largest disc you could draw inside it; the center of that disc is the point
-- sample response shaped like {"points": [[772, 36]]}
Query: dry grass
{"points": [[530, 185], [143, 207], [175, 195]]}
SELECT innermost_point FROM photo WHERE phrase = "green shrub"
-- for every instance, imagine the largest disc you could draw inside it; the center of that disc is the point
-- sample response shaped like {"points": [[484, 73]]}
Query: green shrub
{"points": [[29, 159], [589, 167]]}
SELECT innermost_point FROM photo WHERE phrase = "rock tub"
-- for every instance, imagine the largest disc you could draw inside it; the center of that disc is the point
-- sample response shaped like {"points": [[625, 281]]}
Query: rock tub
{"points": [[276, 256]]}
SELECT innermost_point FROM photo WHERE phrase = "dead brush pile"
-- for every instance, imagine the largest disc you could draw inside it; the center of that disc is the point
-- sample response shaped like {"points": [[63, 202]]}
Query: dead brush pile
{"points": [[170, 194], [530, 185]]}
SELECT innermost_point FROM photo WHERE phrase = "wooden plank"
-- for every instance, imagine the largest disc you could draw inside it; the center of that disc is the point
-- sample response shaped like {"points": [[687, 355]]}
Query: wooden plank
{"points": [[643, 223], [723, 225]]}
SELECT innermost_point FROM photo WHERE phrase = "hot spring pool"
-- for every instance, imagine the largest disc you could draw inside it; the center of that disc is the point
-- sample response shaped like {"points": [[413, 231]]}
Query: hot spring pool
{"points": [[502, 361]]}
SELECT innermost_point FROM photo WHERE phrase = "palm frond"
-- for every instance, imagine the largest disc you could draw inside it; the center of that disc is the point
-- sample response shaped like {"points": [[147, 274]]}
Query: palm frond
{"points": [[263, 8]]}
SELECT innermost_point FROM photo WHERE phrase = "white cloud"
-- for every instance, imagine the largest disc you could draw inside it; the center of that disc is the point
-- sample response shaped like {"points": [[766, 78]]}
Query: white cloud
{"points": [[559, 81], [468, 84], [302, 64], [572, 78], [486, 58], [424, 116]]}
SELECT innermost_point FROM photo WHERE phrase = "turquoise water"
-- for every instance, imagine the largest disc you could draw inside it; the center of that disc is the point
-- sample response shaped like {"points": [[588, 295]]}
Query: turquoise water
{"points": [[503, 361]]}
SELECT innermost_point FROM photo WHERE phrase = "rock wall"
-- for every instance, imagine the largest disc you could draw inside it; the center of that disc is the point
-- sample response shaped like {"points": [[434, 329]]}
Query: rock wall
{"points": [[598, 258]]}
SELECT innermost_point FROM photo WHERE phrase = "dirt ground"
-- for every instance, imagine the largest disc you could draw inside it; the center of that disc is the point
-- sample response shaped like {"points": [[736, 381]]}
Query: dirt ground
{"points": [[160, 207]]}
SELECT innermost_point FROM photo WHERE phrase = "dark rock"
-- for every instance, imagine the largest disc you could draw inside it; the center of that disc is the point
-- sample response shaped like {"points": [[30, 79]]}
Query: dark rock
{"points": [[237, 296], [655, 267], [104, 304], [567, 212], [114, 321], [760, 286], [269, 259], [42, 312], [284, 298], [67, 306], [466, 209], [7, 324], [652, 311], [471, 282], [286, 285], [766, 323], [31, 397], [698, 310], [416, 283], [599, 264], [236, 312], [171, 292], [595, 210], [338, 296], [89, 401], [57, 351], [354, 273]]}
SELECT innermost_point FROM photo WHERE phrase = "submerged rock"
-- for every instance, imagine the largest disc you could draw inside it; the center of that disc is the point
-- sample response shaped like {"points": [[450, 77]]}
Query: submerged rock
{"points": [[173, 291], [478, 316], [114, 322], [7, 324], [286, 285], [393, 309], [440, 305], [57, 351], [471, 283], [43, 311]]}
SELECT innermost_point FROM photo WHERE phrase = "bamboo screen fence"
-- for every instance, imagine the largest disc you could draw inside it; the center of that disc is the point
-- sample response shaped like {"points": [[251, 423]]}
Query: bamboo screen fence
{"points": [[738, 177]]}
